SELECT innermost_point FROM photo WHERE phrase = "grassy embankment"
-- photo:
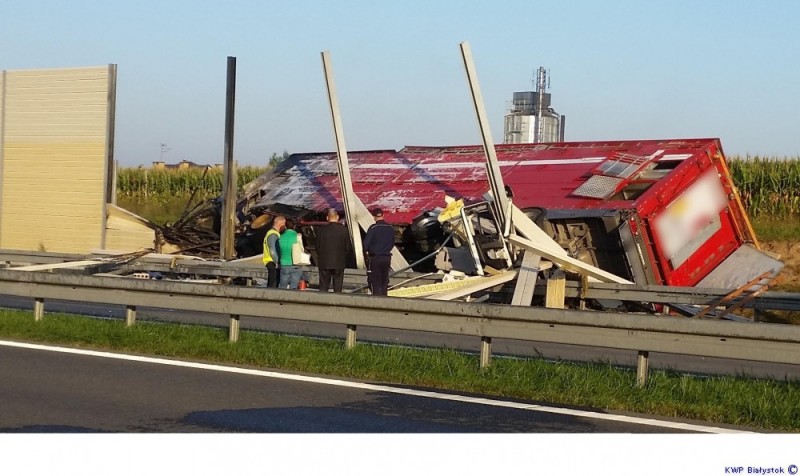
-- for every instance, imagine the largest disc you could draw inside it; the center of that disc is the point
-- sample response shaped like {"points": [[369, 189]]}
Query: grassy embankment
{"points": [[762, 403]]}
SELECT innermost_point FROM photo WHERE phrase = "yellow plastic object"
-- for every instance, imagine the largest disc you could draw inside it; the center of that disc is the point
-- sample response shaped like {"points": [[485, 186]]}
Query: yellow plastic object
{"points": [[452, 210]]}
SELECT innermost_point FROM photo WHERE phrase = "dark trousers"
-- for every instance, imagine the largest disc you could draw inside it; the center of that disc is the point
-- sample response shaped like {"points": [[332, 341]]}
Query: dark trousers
{"points": [[378, 277], [328, 275], [272, 275]]}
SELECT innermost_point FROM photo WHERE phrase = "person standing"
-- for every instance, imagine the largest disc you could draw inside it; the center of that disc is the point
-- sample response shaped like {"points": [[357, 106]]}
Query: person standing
{"points": [[290, 271], [378, 244], [333, 248], [271, 258]]}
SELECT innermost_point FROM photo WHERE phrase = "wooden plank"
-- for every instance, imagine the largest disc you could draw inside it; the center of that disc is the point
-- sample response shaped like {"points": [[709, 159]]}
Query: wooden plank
{"points": [[528, 229], [51, 266], [556, 290], [567, 262], [424, 290], [526, 279], [478, 285]]}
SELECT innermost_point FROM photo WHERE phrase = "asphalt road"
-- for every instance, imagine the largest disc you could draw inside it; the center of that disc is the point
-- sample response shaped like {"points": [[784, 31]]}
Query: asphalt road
{"points": [[691, 364], [45, 391]]}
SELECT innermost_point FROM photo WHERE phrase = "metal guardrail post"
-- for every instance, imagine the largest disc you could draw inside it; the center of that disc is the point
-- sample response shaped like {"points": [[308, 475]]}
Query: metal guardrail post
{"points": [[233, 328], [350, 340], [130, 316], [642, 368], [38, 309], [486, 351]]}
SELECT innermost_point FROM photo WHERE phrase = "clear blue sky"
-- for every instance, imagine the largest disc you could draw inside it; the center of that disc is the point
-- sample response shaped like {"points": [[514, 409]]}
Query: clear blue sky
{"points": [[619, 69]]}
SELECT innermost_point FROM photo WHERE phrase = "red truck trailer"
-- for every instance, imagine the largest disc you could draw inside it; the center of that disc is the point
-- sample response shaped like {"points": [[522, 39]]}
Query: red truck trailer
{"points": [[651, 211]]}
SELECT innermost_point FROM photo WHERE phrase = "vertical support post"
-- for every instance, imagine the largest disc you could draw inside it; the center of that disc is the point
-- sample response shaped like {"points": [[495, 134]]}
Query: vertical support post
{"points": [[350, 339], [130, 316], [584, 291], [492, 165], [226, 243], [38, 309], [233, 328], [114, 180], [556, 290], [111, 164], [642, 368], [345, 183], [486, 351], [3, 83]]}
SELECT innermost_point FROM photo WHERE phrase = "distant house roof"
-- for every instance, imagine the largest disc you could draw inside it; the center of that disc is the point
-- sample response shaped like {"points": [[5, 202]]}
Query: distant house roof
{"points": [[184, 164]]}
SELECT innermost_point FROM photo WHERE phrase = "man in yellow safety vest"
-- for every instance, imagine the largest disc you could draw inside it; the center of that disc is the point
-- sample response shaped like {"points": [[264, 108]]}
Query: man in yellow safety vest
{"points": [[271, 257]]}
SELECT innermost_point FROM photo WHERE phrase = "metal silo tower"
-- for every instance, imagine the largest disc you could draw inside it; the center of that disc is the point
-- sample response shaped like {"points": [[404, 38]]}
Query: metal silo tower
{"points": [[530, 118]]}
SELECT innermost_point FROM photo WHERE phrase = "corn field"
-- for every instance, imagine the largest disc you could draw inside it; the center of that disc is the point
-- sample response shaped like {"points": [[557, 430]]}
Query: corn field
{"points": [[163, 183], [769, 187]]}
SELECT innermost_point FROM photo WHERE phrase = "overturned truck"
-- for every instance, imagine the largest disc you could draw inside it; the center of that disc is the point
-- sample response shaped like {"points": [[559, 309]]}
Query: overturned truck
{"points": [[662, 212]]}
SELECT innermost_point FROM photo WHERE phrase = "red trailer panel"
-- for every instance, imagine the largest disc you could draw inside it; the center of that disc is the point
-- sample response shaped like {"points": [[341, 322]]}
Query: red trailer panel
{"points": [[667, 208]]}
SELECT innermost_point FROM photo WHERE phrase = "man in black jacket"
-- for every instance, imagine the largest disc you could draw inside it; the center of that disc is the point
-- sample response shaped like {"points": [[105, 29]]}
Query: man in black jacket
{"points": [[333, 248], [378, 244]]}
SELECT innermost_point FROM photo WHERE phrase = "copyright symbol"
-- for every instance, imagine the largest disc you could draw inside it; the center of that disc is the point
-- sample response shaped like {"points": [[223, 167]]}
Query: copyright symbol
{"points": [[792, 469]]}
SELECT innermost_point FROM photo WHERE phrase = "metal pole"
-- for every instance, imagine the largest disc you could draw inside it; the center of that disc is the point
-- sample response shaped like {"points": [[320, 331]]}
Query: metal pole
{"points": [[541, 83], [130, 316], [38, 309], [350, 340], [642, 367], [111, 164], [486, 351], [233, 328], [562, 127], [492, 165], [226, 242], [345, 183]]}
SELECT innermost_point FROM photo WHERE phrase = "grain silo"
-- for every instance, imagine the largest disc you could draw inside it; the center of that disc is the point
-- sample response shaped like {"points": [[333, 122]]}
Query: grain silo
{"points": [[531, 119]]}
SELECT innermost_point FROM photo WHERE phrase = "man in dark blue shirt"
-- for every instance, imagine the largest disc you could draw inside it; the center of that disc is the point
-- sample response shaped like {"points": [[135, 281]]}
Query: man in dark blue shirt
{"points": [[378, 244]]}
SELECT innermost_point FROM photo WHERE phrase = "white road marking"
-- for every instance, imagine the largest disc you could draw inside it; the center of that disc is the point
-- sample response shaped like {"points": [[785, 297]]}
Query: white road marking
{"points": [[379, 388]]}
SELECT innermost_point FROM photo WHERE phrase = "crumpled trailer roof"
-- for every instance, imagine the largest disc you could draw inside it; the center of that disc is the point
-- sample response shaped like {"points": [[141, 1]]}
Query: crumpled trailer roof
{"points": [[414, 179], [672, 202]]}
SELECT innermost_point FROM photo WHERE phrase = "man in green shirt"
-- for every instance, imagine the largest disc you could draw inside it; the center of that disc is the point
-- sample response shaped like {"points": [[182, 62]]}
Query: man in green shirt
{"points": [[290, 272]]}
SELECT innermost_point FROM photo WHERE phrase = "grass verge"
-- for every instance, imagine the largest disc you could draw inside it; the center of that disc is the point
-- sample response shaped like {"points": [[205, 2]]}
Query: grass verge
{"points": [[771, 228], [761, 403]]}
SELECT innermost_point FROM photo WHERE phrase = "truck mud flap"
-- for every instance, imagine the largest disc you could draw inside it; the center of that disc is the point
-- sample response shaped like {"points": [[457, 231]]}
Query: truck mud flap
{"points": [[741, 266]]}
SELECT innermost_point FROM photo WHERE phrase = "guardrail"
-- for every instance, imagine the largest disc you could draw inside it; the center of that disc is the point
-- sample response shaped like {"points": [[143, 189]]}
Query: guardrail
{"points": [[769, 300], [775, 343]]}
